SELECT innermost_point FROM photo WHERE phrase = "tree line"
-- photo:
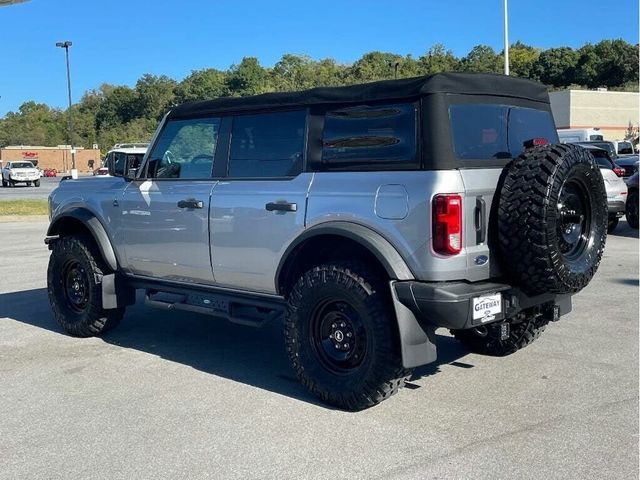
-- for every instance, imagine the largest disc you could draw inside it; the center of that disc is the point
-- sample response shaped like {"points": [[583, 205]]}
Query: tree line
{"points": [[118, 113]]}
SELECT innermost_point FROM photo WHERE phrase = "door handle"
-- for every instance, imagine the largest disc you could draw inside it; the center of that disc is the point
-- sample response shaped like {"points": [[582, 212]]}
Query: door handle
{"points": [[281, 207], [190, 203], [481, 220]]}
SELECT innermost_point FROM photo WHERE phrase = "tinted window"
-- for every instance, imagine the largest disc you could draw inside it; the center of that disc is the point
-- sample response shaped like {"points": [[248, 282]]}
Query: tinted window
{"points": [[21, 165], [267, 145], [370, 137], [185, 149], [484, 131], [602, 159]]}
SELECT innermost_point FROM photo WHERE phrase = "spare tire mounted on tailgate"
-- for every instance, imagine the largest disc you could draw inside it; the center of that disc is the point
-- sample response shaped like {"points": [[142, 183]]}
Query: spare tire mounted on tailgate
{"points": [[552, 219]]}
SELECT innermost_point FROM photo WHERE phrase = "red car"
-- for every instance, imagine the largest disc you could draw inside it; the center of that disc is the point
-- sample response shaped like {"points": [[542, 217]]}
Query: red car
{"points": [[50, 172]]}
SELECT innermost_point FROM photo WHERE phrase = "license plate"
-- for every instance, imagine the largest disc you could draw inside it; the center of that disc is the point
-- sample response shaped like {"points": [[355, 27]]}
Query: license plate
{"points": [[486, 308]]}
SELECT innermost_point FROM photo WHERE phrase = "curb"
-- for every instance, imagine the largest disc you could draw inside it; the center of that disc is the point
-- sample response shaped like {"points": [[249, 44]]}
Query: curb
{"points": [[23, 218]]}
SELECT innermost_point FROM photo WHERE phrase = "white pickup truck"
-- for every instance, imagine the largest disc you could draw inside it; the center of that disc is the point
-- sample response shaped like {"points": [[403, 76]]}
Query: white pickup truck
{"points": [[20, 172]]}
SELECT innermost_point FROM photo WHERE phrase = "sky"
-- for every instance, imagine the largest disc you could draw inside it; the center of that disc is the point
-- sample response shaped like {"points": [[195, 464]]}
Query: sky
{"points": [[117, 41]]}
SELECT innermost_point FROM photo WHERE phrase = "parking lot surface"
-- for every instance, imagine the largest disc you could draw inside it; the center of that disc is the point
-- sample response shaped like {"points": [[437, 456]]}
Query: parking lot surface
{"points": [[177, 395], [24, 192]]}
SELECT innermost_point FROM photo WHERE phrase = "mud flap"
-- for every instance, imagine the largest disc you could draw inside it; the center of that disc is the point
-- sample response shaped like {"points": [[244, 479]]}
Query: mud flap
{"points": [[417, 344], [114, 295]]}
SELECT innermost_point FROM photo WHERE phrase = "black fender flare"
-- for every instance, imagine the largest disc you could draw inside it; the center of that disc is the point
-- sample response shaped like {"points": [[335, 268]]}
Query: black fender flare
{"points": [[376, 244], [95, 227]]}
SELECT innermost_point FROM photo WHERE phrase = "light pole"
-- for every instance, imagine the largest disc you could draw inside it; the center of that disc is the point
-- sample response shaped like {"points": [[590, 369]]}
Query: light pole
{"points": [[66, 44], [506, 38]]}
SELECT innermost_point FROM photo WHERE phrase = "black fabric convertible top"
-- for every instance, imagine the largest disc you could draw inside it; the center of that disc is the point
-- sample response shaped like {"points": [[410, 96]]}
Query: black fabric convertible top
{"points": [[410, 88]]}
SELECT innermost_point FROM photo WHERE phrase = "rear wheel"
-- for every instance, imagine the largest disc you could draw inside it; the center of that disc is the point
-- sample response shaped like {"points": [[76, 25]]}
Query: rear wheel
{"points": [[341, 336], [75, 296], [504, 338], [4, 182], [36, 183], [632, 209]]}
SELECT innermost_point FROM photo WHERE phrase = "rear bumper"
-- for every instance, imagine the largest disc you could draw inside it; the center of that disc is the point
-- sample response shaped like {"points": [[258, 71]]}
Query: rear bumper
{"points": [[616, 207], [450, 304]]}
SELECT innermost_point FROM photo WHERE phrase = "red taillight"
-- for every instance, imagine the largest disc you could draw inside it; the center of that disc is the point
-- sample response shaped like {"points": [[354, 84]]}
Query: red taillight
{"points": [[447, 224], [536, 142], [619, 171]]}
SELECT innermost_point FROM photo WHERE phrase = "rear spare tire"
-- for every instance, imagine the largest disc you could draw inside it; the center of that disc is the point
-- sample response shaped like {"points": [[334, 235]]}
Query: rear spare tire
{"points": [[552, 219]]}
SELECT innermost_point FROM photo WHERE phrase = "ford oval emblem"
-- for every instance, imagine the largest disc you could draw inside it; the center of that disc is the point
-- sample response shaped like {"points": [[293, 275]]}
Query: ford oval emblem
{"points": [[481, 259]]}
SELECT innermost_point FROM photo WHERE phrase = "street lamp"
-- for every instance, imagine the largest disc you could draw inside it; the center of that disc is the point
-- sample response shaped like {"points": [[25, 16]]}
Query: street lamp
{"points": [[506, 39], [66, 44]]}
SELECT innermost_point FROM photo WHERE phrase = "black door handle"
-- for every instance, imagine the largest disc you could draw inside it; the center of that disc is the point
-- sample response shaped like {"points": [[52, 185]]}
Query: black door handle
{"points": [[281, 207], [481, 220], [190, 203]]}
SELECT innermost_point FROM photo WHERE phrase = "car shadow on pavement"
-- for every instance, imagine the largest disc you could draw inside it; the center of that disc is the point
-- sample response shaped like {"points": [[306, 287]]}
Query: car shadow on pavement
{"points": [[254, 356], [624, 230]]}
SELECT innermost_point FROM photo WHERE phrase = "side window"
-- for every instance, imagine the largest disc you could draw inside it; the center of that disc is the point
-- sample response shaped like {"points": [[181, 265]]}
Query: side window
{"points": [[528, 123], [119, 159], [370, 137], [185, 149], [267, 145], [479, 131]]}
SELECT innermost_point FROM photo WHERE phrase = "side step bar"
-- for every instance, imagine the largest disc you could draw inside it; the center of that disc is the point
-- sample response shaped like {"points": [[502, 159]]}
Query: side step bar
{"points": [[245, 311]]}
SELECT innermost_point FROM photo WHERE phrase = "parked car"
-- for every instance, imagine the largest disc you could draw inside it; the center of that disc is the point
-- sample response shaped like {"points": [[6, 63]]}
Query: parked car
{"points": [[20, 172], [614, 183], [606, 145], [632, 201], [629, 163], [358, 215], [623, 147], [573, 135], [50, 172], [121, 154]]}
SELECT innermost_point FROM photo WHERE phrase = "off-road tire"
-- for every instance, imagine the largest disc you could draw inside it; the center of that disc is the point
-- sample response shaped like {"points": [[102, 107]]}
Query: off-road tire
{"points": [[631, 211], [486, 340], [92, 319], [380, 373], [612, 224], [530, 215]]}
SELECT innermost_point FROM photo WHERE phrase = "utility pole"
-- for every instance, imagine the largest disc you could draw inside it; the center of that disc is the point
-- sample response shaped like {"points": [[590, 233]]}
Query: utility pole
{"points": [[66, 44], [506, 38]]}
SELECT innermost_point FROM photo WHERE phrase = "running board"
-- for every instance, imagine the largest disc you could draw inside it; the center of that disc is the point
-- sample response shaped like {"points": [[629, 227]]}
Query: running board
{"points": [[245, 311]]}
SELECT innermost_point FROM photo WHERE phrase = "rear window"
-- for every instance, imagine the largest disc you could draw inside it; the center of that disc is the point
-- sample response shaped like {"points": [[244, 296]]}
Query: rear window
{"points": [[490, 131], [370, 137]]}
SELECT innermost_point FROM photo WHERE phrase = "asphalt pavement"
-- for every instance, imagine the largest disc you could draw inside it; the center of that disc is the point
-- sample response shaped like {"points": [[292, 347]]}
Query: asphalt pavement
{"points": [[177, 395], [23, 192]]}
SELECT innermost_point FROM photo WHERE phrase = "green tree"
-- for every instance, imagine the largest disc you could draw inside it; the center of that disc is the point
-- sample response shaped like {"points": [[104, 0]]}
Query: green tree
{"points": [[556, 66], [375, 66], [155, 95], [247, 78], [294, 72], [482, 58], [438, 59], [202, 85], [522, 60]]}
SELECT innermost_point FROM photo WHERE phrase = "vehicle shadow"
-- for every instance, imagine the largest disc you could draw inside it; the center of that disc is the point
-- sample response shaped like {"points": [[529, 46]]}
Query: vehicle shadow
{"points": [[624, 230], [254, 356]]}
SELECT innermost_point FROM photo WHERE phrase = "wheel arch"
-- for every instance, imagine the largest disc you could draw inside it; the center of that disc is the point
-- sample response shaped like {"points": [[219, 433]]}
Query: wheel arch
{"points": [[348, 236], [81, 220]]}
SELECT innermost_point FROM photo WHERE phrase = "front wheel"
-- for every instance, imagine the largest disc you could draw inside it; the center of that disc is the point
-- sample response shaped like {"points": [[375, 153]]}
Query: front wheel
{"points": [[341, 336], [74, 294], [36, 183]]}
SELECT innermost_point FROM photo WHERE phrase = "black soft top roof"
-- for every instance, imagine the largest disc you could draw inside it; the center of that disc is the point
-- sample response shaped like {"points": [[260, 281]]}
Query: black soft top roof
{"points": [[410, 88]]}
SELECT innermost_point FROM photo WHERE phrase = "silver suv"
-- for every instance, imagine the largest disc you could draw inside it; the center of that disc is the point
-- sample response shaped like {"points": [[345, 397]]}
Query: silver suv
{"points": [[365, 217]]}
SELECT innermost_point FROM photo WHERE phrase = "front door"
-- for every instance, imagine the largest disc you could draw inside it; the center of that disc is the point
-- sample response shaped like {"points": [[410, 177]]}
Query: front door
{"points": [[165, 214]]}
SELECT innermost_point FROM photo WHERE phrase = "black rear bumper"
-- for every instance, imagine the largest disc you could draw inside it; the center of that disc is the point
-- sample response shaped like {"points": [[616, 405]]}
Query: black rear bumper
{"points": [[450, 304]]}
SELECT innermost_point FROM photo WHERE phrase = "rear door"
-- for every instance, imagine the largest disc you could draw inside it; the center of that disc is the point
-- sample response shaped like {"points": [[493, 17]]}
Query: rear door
{"points": [[165, 214], [258, 206], [490, 133]]}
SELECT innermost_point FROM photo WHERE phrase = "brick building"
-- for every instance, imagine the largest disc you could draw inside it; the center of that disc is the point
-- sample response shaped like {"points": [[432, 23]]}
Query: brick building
{"points": [[611, 112], [58, 158]]}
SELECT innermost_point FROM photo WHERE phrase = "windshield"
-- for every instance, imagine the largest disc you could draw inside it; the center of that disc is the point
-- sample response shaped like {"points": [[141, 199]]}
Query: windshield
{"points": [[22, 165]]}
